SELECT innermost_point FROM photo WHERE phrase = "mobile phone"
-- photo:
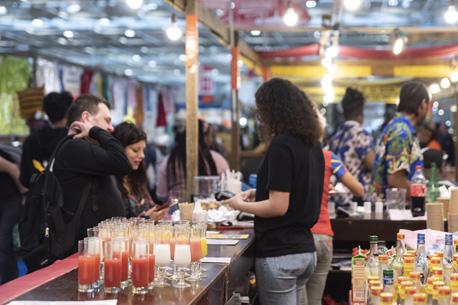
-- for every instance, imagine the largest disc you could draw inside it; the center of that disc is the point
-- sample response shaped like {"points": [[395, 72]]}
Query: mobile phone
{"points": [[224, 195], [167, 204]]}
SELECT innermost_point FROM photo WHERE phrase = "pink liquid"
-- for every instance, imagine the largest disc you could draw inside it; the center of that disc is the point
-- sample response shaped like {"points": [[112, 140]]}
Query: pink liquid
{"points": [[112, 272], [125, 266], [196, 249], [86, 270], [97, 267], [140, 272], [172, 247], [152, 263]]}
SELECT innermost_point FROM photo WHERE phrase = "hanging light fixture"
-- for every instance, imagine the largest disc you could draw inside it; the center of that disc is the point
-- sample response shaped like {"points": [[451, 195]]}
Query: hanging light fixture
{"points": [[352, 5], [134, 4], [173, 31], [399, 43], [290, 18], [451, 15]]}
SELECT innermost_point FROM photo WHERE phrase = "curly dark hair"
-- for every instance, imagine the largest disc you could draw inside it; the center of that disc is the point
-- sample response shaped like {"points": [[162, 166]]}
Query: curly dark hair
{"points": [[283, 107], [128, 134], [352, 103]]}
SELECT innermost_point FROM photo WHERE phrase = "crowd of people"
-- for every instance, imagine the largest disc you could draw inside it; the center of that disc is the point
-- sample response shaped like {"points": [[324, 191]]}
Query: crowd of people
{"points": [[293, 233]]}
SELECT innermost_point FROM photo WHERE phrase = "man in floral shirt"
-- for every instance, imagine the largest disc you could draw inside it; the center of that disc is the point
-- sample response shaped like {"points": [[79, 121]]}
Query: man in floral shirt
{"points": [[398, 150], [351, 143]]}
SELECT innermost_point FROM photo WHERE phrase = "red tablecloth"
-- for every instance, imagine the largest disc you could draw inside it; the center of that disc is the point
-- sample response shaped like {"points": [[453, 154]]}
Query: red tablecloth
{"points": [[19, 286]]}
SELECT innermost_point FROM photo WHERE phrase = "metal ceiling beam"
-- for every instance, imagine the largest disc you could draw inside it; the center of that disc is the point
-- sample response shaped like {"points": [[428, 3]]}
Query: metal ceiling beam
{"points": [[412, 30]]}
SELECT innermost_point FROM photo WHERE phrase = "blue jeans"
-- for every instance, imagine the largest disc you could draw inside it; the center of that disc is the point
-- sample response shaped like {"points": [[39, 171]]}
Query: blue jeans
{"points": [[314, 289], [281, 280]]}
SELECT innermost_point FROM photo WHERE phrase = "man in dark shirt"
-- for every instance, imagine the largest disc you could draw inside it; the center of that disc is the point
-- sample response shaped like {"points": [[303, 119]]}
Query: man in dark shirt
{"points": [[91, 159], [38, 147]]}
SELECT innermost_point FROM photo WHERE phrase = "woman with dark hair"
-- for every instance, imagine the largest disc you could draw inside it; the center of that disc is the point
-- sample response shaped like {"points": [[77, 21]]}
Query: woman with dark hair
{"points": [[171, 182], [289, 187], [137, 201], [352, 143]]}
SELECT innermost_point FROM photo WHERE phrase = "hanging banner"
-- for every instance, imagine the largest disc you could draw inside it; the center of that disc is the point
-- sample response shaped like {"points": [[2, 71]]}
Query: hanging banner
{"points": [[192, 40], [206, 82]]}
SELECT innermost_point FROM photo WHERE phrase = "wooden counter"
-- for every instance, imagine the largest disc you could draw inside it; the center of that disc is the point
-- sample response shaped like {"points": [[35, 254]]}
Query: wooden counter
{"points": [[216, 288]]}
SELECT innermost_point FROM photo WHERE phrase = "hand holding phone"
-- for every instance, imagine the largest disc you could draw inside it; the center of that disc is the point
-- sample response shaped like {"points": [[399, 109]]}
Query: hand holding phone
{"points": [[224, 195], [167, 204]]}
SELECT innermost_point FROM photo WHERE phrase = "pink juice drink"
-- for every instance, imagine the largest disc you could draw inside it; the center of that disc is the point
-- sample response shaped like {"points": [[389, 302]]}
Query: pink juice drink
{"points": [[172, 248], [151, 265], [125, 266], [140, 268], [97, 267], [86, 270], [196, 249], [113, 272]]}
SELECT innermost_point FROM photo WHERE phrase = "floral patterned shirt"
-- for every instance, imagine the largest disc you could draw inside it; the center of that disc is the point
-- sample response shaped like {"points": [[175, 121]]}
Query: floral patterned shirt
{"points": [[397, 149], [351, 144]]}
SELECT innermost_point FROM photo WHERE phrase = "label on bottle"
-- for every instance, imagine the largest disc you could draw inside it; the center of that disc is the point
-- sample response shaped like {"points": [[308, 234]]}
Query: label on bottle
{"points": [[388, 281], [449, 239], [418, 190]]}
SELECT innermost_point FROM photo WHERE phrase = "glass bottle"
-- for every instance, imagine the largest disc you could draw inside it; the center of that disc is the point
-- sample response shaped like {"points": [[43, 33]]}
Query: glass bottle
{"points": [[440, 254], [454, 283], [408, 266], [388, 281], [434, 263], [415, 279], [402, 291], [432, 188], [386, 298], [436, 286], [382, 265], [397, 262], [429, 289], [447, 261], [409, 293], [419, 299], [420, 263], [444, 295], [438, 273], [398, 289], [372, 262], [375, 297], [455, 263]]}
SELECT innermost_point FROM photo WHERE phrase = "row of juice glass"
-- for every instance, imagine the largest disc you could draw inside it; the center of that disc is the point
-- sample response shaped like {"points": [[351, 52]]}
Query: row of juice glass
{"points": [[431, 274], [119, 249]]}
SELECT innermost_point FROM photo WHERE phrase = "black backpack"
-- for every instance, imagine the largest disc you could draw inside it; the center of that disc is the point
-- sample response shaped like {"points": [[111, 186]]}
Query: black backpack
{"points": [[47, 230]]}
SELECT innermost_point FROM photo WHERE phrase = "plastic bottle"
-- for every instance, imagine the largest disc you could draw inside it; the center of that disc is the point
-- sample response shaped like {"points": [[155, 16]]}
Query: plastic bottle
{"points": [[420, 262], [418, 192], [447, 261], [444, 295], [388, 282], [397, 262], [419, 299], [432, 190]]}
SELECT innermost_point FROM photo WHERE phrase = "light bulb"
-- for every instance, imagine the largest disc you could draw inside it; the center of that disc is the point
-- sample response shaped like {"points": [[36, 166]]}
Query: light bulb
{"points": [[434, 88], [398, 46], [37, 22], [329, 97], [445, 83], [352, 5], [331, 52], [291, 17], [255, 32], [332, 69], [310, 4], [3, 10], [326, 62], [451, 15], [454, 77], [129, 33], [173, 31], [68, 34], [134, 4], [74, 8]]}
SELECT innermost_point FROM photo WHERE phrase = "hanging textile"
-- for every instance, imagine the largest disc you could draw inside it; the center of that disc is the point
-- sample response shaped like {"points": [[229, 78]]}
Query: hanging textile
{"points": [[139, 114], [86, 78], [72, 79], [161, 115]]}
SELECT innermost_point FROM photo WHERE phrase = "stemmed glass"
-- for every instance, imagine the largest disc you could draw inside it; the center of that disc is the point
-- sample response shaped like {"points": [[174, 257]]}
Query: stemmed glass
{"points": [[162, 254], [182, 254], [196, 252]]}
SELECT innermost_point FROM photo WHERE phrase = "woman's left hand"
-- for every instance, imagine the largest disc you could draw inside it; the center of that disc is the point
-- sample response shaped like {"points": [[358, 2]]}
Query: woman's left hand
{"points": [[155, 213], [235, 202]]}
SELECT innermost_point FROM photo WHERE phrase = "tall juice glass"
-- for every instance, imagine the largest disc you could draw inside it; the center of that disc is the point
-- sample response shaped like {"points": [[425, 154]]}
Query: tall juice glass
{"points": [[162, 254], [151, 257], [203, 240], [182, 254], [140, 267], [113, 267], [121, 251], [95, 249], [196, 251], [86, 268]]}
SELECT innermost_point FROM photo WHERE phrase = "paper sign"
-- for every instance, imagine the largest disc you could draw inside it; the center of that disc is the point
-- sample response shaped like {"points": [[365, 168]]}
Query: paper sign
{"points": [[223, 242], [219, 260], [229, 236], [212, 232]]}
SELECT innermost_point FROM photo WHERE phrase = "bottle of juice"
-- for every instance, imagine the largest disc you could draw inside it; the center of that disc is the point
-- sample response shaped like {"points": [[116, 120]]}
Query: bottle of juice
{"points": [[419, 299], [444, 295]]}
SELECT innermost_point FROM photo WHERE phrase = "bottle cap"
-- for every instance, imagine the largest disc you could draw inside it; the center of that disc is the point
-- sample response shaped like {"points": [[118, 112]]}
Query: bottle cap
{"points": [[410, 290], [412, 253], [417, 167], [408, 260], [371, 278], [440, 254], [444, 291], [375, 283], [421, 236], [373, 238], [419, 298], [401, 236], [435, 260], [415, 276], [454, 277], [402, 279], [437, 271], [383, 258], [437, 284], [406, 284], [455, 257], [388, 272], [431, 280], [455, 297], [376, 290], [386, 297]]}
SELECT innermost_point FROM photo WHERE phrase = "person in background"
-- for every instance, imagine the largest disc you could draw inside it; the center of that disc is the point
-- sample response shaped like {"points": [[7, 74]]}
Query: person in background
{"points": [[430, 156], [137, 201], [38, 147], [287, 199], [398, 150], [171, 182], [427, 138], [322, 230], [352, 143], [11, 192]]}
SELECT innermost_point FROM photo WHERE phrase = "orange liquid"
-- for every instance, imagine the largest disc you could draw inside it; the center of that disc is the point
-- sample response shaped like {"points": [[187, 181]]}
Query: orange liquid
{"points": [[203, 241], [97, 267], [140, 272], [86, 270], [113, 272], [196, 249], [125, 267], [172, 248], [152, 263]]}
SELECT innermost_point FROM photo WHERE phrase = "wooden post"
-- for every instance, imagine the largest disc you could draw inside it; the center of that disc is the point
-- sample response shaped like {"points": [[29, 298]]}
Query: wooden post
{"points": [[192, 98], [456, 142], [235, 106]]}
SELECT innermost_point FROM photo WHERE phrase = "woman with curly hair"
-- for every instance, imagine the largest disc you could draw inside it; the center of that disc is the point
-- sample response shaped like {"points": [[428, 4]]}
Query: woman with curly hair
{"points": [[137, 201], [287, 199]]}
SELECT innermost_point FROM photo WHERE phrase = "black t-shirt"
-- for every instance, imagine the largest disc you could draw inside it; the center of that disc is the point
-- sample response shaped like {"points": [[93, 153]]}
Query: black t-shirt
{"points": [[290, 165]]}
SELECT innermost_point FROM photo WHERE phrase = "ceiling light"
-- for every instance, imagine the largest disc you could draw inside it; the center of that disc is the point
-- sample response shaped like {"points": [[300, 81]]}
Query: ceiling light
{"points": [[453, 108], [152, 6], [326, 62], [128, 72], [326, 82], [393, 2], [68, 34], [332, 69], [134, 4], [436, 104], [152, 63], [136, 57], [399, 43], [290, 18], [3, 10], [104, 21], [37, 22], [310, 3], [144, 50], [62, 40], [434, 88], [122, 39], [316, 34], [451, 15], [173, 31], [329, 97], [445, 83], [454, 77], [255, 32], [129, 33], [352, 5], [243, 122], [331, 52], [182, 57], [240, 63], [441, 112], [73, 8]]}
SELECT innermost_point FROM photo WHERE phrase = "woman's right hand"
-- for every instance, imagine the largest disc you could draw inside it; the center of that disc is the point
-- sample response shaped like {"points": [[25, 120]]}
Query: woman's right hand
{"points": [[249, 195]]}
